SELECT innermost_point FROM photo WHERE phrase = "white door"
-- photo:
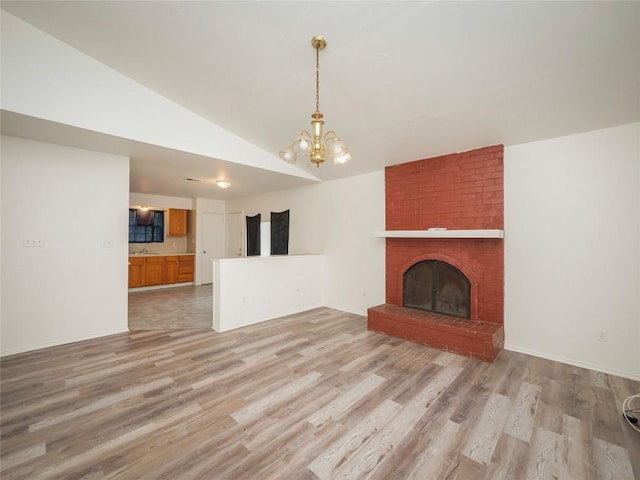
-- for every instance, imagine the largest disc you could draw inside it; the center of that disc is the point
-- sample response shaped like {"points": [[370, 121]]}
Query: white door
{"points": [[235, 234], [213, 240]]}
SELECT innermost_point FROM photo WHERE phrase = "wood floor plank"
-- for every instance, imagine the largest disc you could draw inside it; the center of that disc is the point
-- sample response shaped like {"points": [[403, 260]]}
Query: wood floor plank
{"points": [[337, 408], [612, 461], [102, 403], [22, 456], [259, 407], [577, 442], [482, 442], [307, 396], [327, 461], [509, 459], [373, 452], [520, 422], [545, 457], [436, 458]]}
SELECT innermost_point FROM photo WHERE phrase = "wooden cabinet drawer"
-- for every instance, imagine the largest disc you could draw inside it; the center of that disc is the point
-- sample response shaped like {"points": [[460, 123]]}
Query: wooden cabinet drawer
{"points": [[185, 268]]}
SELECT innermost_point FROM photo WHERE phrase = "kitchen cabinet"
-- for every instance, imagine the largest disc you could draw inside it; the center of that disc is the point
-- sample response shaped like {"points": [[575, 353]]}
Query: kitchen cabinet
{"points": [[171, 269], [151, 270], [177, 223], [185, 268], [136, 272], [154, 270]]}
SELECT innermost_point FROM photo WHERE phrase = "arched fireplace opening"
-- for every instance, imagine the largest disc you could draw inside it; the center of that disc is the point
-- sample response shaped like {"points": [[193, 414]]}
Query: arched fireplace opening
{"points": [[437, 287]]}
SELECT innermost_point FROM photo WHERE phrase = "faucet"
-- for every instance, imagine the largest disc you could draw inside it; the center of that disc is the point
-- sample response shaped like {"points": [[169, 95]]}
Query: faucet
{"points": [[144, 250]]}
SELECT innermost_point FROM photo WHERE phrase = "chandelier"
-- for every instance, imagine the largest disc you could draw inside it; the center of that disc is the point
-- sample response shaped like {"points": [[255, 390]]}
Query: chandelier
{"points": [[317, 146]]}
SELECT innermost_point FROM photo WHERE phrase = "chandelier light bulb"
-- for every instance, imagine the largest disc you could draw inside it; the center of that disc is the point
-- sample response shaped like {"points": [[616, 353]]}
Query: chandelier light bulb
{"points": [[340, 159], [288, 154]]}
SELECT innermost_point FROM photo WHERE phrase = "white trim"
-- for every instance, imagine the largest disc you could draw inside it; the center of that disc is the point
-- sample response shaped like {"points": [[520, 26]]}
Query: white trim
{"points": [[440, 233], [62, 341], [575, 363]]}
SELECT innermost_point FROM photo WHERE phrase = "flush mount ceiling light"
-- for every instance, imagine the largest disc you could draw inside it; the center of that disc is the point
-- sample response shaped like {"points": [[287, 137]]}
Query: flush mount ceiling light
{"points": [[317, 146], [223, 184]]}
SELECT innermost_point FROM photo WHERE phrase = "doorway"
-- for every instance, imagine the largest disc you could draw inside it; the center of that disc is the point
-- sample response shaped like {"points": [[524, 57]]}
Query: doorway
{"points": [[235, 235], [213, 243]]}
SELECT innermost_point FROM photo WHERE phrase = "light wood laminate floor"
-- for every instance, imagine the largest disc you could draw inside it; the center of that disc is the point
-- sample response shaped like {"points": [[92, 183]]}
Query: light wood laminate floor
{"points": [[312, 395]]}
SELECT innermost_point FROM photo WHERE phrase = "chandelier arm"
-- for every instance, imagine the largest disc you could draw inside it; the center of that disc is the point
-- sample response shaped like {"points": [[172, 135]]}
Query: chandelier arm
{"points": [[330, 133]]}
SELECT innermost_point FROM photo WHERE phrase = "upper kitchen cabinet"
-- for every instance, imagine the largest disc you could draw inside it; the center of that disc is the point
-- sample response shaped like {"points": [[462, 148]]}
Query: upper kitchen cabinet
{"points": [[177, 223]]}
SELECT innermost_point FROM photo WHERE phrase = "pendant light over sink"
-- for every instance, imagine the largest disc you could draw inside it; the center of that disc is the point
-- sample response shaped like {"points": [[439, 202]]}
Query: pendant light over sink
{"points": [[316, 146]]}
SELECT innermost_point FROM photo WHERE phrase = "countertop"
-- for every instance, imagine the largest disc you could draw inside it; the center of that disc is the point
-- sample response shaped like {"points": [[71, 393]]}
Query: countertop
{"points": [[161, 254]]}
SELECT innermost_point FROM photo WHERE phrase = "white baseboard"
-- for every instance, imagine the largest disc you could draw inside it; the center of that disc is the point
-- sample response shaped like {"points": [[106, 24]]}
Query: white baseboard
{"points": [[575, 363], [348, 310], [61, 341]]}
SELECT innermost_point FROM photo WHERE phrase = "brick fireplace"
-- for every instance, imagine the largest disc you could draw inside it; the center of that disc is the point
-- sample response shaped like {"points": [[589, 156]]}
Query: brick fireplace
{"points": [[462, 192]]}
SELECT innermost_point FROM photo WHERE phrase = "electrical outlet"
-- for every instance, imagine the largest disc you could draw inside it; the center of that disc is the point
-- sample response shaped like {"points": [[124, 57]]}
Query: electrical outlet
{"points": [[602, 335], [106, 244], [31, 241]]}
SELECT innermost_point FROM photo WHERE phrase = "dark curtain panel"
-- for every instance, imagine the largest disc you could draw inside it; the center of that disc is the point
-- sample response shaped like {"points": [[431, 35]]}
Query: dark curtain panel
{"points": [[280, 233], [253, 235], [144, 217], [154, 232]]}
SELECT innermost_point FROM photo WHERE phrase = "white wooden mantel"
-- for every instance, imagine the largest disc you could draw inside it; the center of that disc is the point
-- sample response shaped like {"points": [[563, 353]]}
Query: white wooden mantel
{"points": [[491, 233]]}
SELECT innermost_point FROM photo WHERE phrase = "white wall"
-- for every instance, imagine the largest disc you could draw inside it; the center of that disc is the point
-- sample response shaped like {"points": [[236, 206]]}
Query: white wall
{"points": [[73, 288], [159, 201], [34, 83], [354, 209], [336, 219], [572, 248], [254, 289]]}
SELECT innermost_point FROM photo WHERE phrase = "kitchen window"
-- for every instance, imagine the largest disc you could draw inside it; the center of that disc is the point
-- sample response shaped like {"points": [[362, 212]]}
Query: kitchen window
{"points": [[147, 230]]}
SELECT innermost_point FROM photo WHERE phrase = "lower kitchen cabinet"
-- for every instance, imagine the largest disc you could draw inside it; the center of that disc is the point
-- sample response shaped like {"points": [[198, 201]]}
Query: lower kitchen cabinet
{"points": [[136, 272], [154, 270], [160, 270]]}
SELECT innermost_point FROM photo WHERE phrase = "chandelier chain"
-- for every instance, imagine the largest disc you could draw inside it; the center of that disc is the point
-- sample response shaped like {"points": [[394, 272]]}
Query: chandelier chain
{"points": [[317, 79]]}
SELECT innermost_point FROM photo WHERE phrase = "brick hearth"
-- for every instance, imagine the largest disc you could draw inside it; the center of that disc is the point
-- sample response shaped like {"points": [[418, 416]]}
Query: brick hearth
{"points": [[483, 340], [462, 191]]}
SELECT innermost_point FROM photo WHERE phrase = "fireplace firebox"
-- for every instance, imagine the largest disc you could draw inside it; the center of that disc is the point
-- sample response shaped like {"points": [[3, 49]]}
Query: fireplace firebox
{"points": [[438, 287]]}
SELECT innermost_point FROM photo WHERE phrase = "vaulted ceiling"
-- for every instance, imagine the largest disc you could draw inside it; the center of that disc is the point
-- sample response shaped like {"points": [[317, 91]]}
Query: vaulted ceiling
{"points": [[399, 81]]}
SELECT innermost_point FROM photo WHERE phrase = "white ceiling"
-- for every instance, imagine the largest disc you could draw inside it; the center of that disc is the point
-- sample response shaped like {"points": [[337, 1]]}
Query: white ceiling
{"points": [[399, 81]]}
